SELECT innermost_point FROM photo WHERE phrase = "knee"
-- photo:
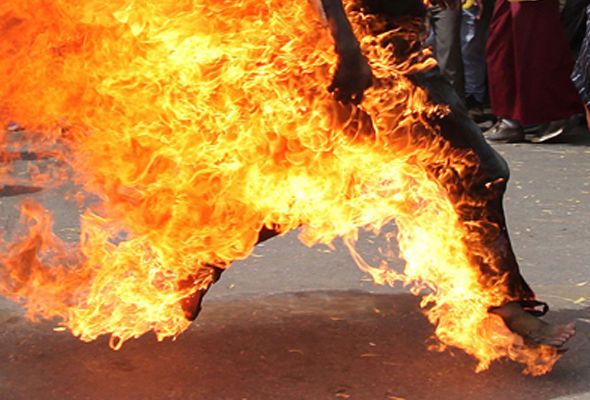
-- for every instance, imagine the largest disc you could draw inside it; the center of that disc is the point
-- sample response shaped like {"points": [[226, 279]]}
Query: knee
{"points": [[494, 167]]}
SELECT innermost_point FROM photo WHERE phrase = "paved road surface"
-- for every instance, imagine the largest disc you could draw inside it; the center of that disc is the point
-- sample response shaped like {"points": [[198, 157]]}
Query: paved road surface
{"points": [[299, 323]]}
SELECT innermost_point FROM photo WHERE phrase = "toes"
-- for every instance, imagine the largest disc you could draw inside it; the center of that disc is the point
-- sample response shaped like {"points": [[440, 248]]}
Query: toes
{"points": [[568, 331], [533, 330], [565, 337], [563, 334], [555, 342], [555, 337]]}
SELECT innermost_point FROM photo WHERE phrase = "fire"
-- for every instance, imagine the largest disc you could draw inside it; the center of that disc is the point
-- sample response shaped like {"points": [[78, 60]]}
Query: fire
{"points": [[189, 125]]}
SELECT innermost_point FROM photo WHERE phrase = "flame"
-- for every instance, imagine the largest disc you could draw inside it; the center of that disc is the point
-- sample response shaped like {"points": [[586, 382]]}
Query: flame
{"points": [[191, 124]]}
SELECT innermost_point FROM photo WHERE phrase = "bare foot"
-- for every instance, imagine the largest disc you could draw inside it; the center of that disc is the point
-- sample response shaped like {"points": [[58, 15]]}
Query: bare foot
{"points": [[533, 329]]}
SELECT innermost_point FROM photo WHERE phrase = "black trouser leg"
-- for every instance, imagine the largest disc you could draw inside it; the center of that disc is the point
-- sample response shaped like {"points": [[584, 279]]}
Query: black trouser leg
{"points": [[446, 24], [209, 274], [483, 186]]}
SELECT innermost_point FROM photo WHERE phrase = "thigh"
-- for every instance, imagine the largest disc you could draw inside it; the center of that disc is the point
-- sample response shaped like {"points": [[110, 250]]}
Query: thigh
{"points": [[458, 128], [447, 42]]}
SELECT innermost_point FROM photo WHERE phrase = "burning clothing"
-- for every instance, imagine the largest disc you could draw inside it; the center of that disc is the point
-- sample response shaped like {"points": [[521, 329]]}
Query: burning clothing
{"points": [[485, 183], [180, 114]]}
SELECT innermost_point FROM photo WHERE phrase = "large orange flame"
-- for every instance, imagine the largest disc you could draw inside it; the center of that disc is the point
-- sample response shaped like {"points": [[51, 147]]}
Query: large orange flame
{"points": [[190, 125]]}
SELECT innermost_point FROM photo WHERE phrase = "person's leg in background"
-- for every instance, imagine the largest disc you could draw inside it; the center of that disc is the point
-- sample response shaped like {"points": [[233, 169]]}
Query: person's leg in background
{"points": [[543, 52], [474, 34], [446, 25], [501, 68], [529, 63]]}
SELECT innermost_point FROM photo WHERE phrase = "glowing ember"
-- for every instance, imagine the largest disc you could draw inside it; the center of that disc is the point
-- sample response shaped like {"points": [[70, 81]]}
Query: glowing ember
{"points": [[191, 124]]}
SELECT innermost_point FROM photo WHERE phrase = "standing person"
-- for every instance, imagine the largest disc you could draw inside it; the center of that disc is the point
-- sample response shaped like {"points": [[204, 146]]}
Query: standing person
{"points": [[474, 34], [483, 187], [446, 27], [529, 64]]}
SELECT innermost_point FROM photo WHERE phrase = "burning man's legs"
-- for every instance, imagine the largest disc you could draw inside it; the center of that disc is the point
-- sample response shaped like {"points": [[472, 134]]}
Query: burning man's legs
{"points": [[484, 188], [207, 276]]}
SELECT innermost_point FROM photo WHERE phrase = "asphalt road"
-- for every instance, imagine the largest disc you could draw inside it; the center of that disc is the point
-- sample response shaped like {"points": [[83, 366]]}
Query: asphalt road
{"points": [[293, 322]]}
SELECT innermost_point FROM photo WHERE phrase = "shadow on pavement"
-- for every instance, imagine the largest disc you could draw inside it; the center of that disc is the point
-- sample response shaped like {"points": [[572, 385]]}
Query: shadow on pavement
{"points": [[17, 190], [316, 345], [7, 156]]}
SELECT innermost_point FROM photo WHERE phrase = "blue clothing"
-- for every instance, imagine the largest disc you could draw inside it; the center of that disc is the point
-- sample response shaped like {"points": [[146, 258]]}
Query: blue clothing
{"points": [[474, 35], [581, 73]]}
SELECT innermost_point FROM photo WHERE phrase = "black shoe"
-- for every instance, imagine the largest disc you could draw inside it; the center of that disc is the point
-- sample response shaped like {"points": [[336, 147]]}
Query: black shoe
{"points": [[475, 109], [551, 132], [501, 132]]}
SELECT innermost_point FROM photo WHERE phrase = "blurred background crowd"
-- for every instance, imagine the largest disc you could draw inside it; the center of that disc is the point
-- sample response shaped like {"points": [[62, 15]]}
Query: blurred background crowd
{"points": [[521, 67]]}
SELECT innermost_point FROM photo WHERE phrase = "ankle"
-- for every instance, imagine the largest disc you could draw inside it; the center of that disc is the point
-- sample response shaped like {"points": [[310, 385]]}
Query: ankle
{"points": [[508, 310], [511, 123]]}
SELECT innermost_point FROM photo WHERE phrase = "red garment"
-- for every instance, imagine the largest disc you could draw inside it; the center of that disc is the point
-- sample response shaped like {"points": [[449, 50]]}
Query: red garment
{"points": [[529, 63]]}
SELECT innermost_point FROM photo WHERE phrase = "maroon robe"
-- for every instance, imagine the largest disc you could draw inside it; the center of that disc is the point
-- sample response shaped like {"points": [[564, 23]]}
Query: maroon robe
{"points": [[529, 63]]}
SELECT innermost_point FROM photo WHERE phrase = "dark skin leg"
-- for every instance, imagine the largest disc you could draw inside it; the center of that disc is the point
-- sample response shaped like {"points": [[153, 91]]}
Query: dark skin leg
{"points": [[534, 330]]}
